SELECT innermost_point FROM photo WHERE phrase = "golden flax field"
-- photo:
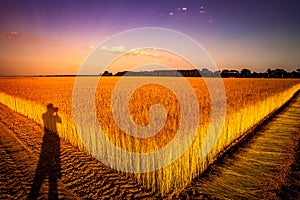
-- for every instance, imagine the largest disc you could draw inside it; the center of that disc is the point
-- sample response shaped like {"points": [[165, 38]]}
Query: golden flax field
{"points": [[248, 101]]}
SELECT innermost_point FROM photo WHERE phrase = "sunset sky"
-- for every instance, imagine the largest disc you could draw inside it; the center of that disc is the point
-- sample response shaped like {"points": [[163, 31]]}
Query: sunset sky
{"points": [[54, 37]]}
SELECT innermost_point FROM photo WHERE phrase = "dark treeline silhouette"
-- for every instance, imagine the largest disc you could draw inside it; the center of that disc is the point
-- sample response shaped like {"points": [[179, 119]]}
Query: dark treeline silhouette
{"points": [[270, 73], [186, 73], [244, 73]]}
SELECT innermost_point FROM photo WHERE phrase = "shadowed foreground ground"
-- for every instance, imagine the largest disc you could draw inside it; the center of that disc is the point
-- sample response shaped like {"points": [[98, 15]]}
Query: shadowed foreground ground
{"points": [[81, 176]]}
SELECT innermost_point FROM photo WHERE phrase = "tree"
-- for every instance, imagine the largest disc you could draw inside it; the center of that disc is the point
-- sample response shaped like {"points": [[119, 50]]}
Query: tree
{"points": [[225, 73], [107, 73], [280, 73], [270, 73], [245, 73], [206, 73]]}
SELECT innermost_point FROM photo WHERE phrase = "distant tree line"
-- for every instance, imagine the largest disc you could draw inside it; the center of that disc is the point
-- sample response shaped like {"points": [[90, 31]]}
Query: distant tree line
{"points": [[270, 73], [244, 73]]}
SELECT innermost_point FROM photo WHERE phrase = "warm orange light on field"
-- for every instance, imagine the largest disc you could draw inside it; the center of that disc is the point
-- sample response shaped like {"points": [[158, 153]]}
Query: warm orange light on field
{"points": [[140, 103], [248, 101]]}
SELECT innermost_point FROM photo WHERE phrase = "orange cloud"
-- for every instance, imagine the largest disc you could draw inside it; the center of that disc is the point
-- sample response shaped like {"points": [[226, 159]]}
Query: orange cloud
{"points": [[9, 35], [13, 33]]}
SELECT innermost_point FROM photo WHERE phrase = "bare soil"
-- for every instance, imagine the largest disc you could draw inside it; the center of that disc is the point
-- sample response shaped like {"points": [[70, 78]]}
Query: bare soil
{"points": [[24, 176]]}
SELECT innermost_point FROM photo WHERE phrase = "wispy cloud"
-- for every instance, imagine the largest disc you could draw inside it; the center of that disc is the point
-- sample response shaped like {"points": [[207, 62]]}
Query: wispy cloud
{"points": [[13, 33], [9, 35], [143, 52], [91, 47], [131, 52], [116, 49], [183, 8]]}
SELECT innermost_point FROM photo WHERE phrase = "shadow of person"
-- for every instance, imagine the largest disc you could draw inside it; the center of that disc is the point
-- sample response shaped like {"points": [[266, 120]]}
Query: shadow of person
{"points": [[49, 161]]}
